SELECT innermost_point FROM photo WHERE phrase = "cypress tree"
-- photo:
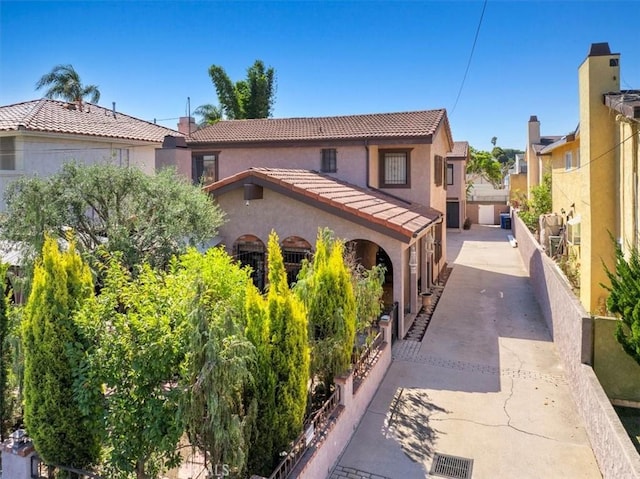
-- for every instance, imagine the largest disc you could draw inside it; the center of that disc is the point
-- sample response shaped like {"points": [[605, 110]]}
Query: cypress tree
{"points": [[261, 452], [327, 289], [5, 357], [61, 432], [289, 351]]}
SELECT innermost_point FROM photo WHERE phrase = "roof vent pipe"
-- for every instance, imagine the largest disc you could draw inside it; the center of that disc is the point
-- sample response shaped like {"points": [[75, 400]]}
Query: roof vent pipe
{"points": [[113, 109]]}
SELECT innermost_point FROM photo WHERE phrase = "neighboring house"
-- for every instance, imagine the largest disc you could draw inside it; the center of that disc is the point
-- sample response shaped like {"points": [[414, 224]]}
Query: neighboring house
{"points": [[536, 166], [456, 179], [378, 180], [595, 174], [37, 137]]}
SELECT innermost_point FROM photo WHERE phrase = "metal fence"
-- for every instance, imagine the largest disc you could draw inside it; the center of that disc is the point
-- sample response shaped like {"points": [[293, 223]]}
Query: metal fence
{"points": [[312, 429], [40, 470]]}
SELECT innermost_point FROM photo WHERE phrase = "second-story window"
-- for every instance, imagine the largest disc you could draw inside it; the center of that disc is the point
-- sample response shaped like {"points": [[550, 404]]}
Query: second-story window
{"points": [[395, 168], [204, 168], [449, 174], [329, 161]]}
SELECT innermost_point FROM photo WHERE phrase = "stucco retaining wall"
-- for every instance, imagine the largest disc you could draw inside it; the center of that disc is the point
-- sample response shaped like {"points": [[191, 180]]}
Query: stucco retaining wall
{"points": [[572, 332], [320, 460]]}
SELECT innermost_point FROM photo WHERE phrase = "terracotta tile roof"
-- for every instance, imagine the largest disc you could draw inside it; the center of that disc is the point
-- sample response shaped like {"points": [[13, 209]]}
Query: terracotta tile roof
{"points": [[460, 150], [370, 208], [55, 116], [414, 124]]}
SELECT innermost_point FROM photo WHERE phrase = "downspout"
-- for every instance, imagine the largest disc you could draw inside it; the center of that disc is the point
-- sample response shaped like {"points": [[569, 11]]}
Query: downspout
{"points": [[366, 147]]}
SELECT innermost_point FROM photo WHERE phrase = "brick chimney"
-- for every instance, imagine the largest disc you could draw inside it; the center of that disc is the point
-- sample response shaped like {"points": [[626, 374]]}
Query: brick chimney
{"points": [[187, 125]]}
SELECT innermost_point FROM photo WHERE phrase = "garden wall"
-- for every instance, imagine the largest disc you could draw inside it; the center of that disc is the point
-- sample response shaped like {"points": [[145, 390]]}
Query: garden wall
{"points": [[321, 458], [572, 332]]}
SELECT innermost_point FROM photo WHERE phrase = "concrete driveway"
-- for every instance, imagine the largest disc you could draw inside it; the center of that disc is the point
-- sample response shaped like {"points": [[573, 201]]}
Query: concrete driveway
{"points": [[484, 384]]}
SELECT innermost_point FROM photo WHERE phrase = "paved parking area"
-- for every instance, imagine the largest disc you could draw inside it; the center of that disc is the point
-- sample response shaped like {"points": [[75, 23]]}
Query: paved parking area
{"points": [[485, 383]]}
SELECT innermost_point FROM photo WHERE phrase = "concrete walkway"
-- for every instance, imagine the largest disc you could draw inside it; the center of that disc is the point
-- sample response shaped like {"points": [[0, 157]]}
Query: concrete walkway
{"points": [[484, 384]]}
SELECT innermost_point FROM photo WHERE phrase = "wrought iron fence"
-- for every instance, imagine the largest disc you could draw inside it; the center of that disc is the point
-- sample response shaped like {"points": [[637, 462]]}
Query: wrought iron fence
{"points": [[313, 427], [40, 470], [362, 362]]}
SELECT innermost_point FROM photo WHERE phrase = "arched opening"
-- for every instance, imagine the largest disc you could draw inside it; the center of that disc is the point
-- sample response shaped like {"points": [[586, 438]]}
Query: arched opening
{"points": [[294, 251], [249, 250], [369, 254]]}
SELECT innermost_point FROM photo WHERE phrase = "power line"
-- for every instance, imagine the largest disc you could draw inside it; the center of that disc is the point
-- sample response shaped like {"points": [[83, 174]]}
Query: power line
{"points": [[475, 40], [599, 156]]}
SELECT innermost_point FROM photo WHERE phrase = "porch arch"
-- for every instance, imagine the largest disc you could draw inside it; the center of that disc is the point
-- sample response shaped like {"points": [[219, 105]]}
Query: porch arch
{"points": [[250, 251], [294, 250], [370, 254]]}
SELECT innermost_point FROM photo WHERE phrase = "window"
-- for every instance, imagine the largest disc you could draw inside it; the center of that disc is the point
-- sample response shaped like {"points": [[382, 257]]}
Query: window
{"points": [[120, 156], [438, 170], [573, 230], [577, 163], [394, 168], [8, 153], [204, 168], [329, 163], [449, 174], [568, 160]]}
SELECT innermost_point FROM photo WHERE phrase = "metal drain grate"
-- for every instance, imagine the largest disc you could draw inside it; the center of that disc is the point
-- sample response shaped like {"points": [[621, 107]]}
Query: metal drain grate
{"points": [[451, 466]]}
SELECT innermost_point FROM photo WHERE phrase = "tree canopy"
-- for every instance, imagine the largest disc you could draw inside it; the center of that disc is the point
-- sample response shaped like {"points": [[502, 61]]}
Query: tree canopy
{"points": [[252, 97], [64, 82], [111, 209], [482, 165]]}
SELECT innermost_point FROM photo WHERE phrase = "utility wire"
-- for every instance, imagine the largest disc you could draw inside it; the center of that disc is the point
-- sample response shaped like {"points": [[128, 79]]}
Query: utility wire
{"points": [[475, 40], [602, 155]]}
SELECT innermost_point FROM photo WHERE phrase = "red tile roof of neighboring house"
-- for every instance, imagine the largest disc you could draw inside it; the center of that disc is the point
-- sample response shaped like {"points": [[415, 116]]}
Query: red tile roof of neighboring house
{"points": [[370, 208], [460, 150], [53, 116], [415, 124]]}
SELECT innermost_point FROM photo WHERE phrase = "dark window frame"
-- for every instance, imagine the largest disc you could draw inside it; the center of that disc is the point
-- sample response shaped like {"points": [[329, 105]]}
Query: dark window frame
{"points": [[450, 172], [197, 165], [328, 160], [8, 153], [381, 166]]}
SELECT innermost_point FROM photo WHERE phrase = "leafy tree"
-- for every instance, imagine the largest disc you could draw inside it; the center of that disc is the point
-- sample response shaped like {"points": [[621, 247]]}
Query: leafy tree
{"points": [[540, 203], [112, 210], [481, 165], [249, 98], [217, 408], [210, 114], [289, 350], [64, 82], [326, 288], [137, 329], [624, 299], [53, 347]]}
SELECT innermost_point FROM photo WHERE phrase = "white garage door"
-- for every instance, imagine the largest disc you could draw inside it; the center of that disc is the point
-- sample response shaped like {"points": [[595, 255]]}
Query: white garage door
{"points": [[485, 214]]}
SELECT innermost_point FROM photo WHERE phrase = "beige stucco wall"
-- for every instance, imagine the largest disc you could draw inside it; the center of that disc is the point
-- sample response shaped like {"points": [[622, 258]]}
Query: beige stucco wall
{"points": [[351, 160], [289, 217], [43, 155]]}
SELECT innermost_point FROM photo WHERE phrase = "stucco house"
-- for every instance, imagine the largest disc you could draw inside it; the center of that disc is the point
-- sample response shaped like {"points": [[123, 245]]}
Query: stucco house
{"points": [[377, 180], [595, 173], [37, 137], [457, 185], [537, 164]]}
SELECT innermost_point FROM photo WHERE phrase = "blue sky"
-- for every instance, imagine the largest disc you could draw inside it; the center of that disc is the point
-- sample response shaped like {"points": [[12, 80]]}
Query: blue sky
{"points": [[331, 58]]}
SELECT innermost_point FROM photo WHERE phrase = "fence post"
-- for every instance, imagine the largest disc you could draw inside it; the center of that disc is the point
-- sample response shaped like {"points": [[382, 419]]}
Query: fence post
{"points": [[345, 384], [385, 326]]}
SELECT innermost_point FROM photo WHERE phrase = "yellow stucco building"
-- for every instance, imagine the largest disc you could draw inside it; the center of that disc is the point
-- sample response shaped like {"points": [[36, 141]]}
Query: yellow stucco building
{"points": [[595, 174]]}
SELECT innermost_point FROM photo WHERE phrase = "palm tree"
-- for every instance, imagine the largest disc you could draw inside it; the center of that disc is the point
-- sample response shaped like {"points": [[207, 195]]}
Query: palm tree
{"points": [[64, 82], [210, 114]]}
